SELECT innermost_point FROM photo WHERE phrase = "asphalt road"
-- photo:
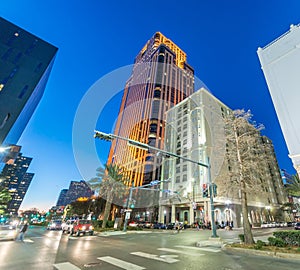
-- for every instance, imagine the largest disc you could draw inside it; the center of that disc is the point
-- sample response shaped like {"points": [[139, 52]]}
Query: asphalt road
{"points": [[133, 251]]}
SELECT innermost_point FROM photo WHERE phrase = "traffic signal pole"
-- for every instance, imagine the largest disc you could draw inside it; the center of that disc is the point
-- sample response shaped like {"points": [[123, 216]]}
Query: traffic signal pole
{"points": [[110, 137], [127, 208]]}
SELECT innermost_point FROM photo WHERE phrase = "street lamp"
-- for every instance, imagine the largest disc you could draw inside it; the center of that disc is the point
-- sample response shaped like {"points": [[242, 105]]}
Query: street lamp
{"points": [[110, 137]]}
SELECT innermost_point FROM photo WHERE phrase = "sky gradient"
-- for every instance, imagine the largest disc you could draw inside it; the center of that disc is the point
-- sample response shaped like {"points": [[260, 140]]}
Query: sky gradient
{"points": [[96, 38]]}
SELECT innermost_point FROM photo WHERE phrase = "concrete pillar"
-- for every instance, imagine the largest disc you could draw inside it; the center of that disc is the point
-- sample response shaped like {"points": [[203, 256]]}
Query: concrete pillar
{"points": [[173, 213], [161, 215], [191, 215]]}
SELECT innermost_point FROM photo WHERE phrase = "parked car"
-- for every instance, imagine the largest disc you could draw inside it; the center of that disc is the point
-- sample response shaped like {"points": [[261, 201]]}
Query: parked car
{"points": [[82, 226], [8, 232], [159, 225], [144, 224], [68, 226], [297, 226], [133, 224], [170, 226], [54, 225]]}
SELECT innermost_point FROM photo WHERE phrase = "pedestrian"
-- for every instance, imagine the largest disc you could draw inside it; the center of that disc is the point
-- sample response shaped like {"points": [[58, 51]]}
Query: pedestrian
{"points": [[197, 226], [22, 231]]}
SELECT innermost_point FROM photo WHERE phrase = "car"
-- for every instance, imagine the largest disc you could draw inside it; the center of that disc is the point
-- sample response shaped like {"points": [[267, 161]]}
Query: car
{"points": [[8, 232], [159, 225], [297, 226], [68, 226], [82, 226], [144, 224], [133, 224], [54, 225]]}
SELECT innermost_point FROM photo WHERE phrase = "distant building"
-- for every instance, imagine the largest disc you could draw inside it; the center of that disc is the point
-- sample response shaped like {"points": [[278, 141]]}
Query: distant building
{"points": [[25, 65], [15, 177], [76, 190], [280, 62], [195, 130], [62, 197]]}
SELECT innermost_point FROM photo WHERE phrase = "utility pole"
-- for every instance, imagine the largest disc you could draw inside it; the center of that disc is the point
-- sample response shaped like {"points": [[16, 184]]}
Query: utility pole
{"points": [[110, 137]]}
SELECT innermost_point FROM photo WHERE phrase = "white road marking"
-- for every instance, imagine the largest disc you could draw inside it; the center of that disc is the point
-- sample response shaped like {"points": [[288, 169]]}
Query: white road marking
{"points": [[200, 248], [179, 251], [120, 263], [65, 266], [165, 258], [28, 241]]}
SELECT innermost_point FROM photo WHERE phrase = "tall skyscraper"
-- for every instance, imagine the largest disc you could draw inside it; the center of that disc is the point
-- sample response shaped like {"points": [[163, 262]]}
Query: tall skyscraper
{"points": [[25, 65], [160, 79], [61, 201], [15, 178], [280, 61], [76, 190]]}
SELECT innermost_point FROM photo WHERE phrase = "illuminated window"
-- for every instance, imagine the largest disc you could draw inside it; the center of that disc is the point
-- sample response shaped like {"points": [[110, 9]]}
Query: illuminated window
{"points": [[1, 86]]}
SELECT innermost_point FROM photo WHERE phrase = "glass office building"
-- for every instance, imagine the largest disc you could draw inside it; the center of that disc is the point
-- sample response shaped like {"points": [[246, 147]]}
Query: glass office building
{"points": [[161, 78], [25, 65]]}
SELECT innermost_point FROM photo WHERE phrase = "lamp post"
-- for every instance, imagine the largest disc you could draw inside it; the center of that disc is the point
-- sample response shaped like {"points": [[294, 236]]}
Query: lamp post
{"points": [[110, 137]]}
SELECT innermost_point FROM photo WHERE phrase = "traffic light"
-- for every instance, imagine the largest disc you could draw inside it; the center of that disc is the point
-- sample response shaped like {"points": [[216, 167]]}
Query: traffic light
{"points": [[102, 136], [204, 190], [132, 203]]}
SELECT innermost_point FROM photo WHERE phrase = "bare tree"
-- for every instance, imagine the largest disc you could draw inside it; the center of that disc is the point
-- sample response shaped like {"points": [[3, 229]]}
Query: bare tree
{"points": [[245, 158]]}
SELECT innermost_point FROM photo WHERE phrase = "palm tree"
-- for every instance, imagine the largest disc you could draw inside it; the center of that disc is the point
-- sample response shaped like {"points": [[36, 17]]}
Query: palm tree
{"points": [[110, 184], [5, 197], [293, 186]]}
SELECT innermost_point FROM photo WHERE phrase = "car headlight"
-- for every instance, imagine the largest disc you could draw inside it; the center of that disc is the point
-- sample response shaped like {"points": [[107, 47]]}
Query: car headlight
{"points": [[83, 228], [91, 227]]}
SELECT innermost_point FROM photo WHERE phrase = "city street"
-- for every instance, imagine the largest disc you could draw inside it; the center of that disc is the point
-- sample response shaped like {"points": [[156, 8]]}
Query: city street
{"points": [[154, 249]]}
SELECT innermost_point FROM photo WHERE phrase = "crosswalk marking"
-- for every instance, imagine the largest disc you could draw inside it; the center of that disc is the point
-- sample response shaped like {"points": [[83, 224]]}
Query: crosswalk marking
{"points": [[165, 258], [200, 248], [65, 266], [28, 240], [179, 251], [120, 263]]}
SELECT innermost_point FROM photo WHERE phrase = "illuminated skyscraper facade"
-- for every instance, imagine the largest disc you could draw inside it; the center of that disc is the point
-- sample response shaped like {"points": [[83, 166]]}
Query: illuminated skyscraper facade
{"points": [[160, 79]]}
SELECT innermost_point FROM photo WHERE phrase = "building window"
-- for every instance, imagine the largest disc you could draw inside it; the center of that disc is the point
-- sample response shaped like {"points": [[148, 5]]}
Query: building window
{"points": [[5, 120], [177, 179], [184, 178], [23, 92]]}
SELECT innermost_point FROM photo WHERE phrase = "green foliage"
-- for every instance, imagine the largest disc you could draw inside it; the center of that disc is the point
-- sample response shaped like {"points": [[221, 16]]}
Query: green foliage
{"points": [[110, 223], [129, 228], [277, 242], [293, 186], [291, 238], [242, 237], [109, 183], [5, 197], [259, 244]]}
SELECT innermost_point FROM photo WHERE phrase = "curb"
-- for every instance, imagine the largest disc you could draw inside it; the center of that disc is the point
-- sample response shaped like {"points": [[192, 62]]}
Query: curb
{"points": [[264, 253], [215, 242]]}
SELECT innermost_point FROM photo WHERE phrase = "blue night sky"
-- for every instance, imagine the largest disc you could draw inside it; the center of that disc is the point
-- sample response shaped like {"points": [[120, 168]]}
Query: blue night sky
{"points": [[97, 37]]}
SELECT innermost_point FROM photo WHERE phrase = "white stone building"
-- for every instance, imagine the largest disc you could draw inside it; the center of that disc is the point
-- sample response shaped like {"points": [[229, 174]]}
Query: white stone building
{"points": [[195, 130], [280, 61]]}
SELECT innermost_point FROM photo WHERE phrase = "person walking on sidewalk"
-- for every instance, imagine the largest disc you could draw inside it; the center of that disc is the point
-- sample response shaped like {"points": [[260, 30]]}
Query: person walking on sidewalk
{"points": [[23, 231]]}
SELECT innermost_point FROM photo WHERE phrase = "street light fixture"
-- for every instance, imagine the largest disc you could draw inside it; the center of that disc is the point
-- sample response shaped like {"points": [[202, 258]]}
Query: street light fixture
{"points": [[110, 137]]}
